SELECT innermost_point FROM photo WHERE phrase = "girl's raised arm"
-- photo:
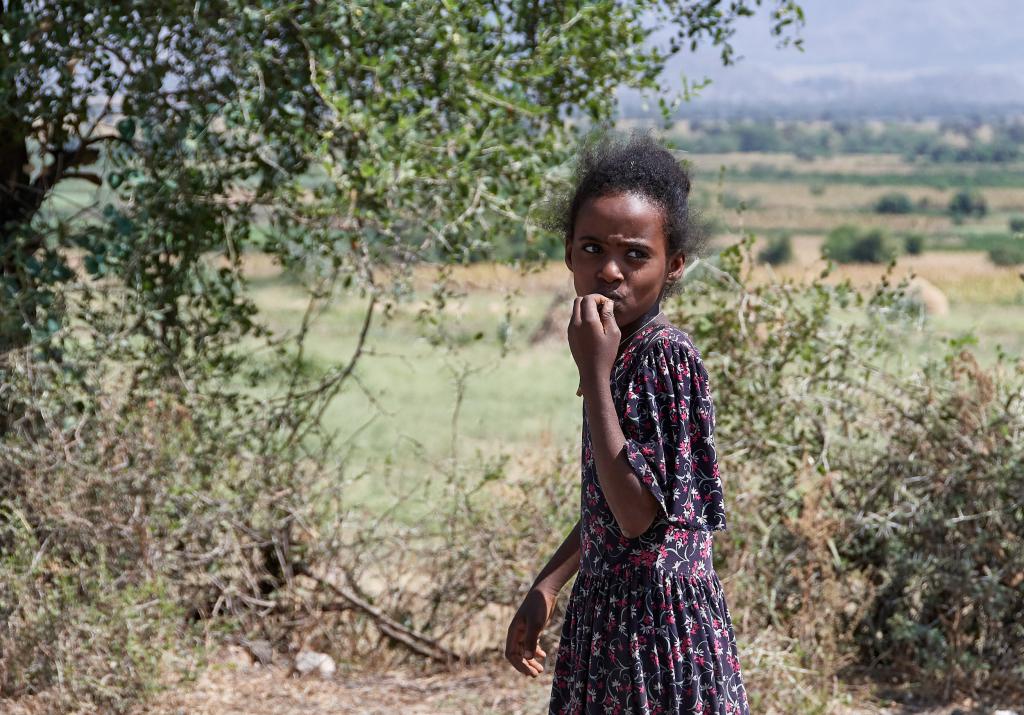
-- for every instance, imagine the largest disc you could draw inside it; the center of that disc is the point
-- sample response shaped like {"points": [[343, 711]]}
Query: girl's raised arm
{"points": [[593, 339]]}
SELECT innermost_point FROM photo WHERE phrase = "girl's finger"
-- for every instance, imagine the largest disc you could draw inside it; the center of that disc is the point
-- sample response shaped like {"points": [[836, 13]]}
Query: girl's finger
{"points": [[607, 313], [577, 320], [535, 668], [522, 666], [588, 310], [525, 664]]}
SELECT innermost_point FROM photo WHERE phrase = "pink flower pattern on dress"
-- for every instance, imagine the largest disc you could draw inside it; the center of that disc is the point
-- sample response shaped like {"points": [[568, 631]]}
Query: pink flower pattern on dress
{"points": [[647, 630]]}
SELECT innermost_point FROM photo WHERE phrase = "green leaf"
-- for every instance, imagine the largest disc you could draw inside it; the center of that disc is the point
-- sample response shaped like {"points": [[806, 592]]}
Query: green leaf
{"points": [[91, 265], [126, 128]]}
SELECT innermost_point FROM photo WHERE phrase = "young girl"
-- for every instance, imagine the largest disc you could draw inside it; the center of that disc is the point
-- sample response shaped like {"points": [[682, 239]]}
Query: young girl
{"points": [[647, 629]]}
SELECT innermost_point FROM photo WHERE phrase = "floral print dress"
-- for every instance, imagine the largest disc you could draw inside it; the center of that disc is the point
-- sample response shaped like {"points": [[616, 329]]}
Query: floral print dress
{"points": [[647, 629]]}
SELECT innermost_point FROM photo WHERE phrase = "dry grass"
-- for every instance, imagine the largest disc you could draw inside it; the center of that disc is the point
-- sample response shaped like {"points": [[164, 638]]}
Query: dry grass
{"points": [[836, 197], [966, 276], [844, 163], [476, 276], [1003, 199], [233, 685], [805, 220], [550, 277], [791, 205]]}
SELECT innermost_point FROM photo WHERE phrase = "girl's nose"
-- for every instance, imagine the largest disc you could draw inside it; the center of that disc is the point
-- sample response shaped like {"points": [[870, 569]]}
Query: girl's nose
{"points": [[610, 272]]}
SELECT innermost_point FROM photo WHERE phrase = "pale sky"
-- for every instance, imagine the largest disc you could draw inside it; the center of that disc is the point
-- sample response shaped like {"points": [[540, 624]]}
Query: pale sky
{"points": [[951, 50]]}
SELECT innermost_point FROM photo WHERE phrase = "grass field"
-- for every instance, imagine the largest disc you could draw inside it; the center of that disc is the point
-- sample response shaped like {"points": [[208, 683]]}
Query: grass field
{"points": [[781, 193], [417, 411]]}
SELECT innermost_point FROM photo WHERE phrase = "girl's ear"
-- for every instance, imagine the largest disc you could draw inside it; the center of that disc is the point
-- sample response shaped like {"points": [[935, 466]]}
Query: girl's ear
{"points": [[568, 253], [676, 264]]}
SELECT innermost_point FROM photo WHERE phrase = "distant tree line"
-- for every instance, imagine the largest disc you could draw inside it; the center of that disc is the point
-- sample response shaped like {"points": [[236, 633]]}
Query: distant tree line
{"points": [[951, 141]]}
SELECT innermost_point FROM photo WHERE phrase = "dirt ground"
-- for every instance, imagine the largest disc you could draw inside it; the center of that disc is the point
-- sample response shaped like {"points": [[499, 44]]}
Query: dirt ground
{"points": [[234, 684], [235, 687]]}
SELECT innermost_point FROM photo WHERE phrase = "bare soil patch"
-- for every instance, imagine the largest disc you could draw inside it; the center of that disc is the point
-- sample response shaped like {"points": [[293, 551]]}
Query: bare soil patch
{"points": [[236, 689], [487, 689]]}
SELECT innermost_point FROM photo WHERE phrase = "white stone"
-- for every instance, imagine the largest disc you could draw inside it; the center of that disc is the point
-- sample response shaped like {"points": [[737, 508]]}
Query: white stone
{"points": [[309, 661]]}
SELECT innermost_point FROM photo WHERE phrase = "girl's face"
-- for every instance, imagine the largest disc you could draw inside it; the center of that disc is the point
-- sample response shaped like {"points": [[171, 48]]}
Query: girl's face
{"points": [[619, 249]]}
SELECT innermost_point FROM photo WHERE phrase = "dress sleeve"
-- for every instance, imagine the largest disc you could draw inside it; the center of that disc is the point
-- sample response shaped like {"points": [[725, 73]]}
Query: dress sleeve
{"points": [[668, 422]]}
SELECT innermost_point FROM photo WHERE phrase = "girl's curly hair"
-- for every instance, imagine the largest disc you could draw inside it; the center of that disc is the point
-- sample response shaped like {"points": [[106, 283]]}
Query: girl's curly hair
{"points": [[609, 163]]}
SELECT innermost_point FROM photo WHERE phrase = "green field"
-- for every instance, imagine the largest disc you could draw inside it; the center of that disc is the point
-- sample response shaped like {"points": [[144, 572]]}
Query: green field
{"points": [[406, 424]]}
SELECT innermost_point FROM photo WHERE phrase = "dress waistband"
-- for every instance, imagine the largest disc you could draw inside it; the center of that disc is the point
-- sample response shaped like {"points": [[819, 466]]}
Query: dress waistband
{"points": [[683, 552]]}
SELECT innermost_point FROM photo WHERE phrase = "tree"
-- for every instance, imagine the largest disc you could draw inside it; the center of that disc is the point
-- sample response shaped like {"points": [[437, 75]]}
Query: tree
{"points": [[967, 203], [894, 202], [852, 244], [777, 250], [334, 135]]}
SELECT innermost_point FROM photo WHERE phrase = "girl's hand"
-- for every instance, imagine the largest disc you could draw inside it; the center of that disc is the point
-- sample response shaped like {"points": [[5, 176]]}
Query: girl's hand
{"points": [[593, 338], [522, 644]]}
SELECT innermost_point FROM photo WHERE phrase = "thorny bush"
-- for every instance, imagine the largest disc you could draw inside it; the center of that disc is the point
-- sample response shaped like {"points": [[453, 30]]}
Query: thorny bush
{"points": [[134, 522], [877, 514]]}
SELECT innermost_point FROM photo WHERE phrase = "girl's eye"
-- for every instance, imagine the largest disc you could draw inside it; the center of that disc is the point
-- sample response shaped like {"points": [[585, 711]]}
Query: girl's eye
{"points": [[637, 253], [591, 248]]}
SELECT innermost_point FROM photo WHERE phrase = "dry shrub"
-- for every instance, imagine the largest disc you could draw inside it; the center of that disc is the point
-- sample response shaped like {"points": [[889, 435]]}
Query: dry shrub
{"points": [[129, 521], [876, 517], [942, 535]]}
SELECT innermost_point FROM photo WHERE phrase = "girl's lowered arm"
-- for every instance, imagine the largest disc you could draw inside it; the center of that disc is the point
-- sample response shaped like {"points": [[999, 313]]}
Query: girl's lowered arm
{"points": [[562, 564], [631, 503], [522, 643]]}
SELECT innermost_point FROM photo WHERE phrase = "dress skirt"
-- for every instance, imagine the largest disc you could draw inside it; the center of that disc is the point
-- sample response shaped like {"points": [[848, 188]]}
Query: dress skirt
{"points": [[646, 639]]}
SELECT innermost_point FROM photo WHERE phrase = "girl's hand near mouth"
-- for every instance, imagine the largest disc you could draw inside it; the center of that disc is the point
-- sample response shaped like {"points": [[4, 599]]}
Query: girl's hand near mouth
{"points": [[593, 338]]}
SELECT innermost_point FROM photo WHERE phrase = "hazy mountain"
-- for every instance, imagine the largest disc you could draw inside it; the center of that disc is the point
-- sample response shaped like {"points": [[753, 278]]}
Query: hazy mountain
{"points": [[869, 57]]}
